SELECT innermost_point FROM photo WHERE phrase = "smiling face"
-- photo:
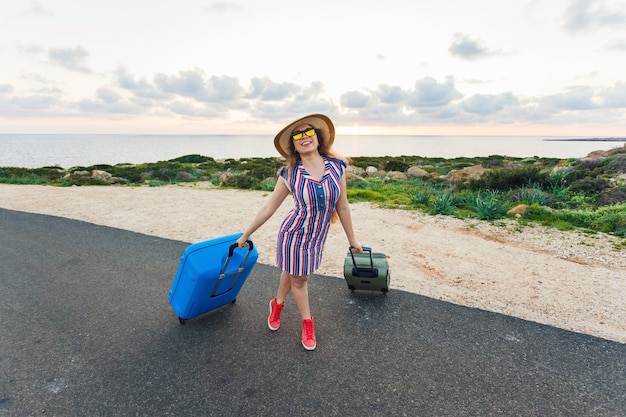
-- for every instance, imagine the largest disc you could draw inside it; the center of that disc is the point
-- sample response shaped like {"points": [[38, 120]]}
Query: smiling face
{"points": [[306, 144]]}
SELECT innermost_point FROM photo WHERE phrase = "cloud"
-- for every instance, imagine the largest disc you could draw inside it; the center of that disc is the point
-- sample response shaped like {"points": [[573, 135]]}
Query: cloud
{"points": [[70, 58], [485, 105], [429, 93], [354, 100], [266, 89], [6, 89], [35, 102], [581, 15], [108, 101], [391, 94], [194, 84], [464, 47], [35, 9], [38, 78], [30, 49], [614, 97], [575, 98]]}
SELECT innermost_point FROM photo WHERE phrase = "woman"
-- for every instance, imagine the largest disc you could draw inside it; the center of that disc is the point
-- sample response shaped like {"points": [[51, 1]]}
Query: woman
{"points": [[315, 177]]}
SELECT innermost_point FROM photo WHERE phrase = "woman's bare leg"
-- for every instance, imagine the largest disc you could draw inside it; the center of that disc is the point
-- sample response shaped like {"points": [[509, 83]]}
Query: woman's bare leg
{"points": [[300, 291], [283, 287]]}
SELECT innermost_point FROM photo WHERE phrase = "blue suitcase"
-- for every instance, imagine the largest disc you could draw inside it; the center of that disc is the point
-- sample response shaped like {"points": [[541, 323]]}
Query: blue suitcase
{"points": [[210, 275]]}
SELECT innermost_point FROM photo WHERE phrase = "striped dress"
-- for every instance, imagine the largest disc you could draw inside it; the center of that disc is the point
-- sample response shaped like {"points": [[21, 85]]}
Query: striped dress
{"points": [[303, 232]]}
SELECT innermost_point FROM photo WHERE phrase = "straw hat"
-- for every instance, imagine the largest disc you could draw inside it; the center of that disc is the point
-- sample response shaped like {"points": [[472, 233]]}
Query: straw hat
{"points": [[323, 125]]}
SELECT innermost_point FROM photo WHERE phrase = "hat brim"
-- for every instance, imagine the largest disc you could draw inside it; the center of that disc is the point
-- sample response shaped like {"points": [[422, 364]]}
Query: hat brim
{"points": [[320, 122]]}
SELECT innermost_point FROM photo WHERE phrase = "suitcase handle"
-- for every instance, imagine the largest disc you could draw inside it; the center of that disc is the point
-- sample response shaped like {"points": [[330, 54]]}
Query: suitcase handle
{"points": [[234, 246], [231, 251], [371, 271]]}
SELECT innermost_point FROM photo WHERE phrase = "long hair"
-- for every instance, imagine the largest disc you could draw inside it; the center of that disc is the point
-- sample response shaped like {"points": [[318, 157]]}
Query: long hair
{"points": [[324, 149]]}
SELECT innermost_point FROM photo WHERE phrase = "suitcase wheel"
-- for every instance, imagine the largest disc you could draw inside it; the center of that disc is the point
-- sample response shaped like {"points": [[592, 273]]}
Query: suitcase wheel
{"points": [[182, 320]]}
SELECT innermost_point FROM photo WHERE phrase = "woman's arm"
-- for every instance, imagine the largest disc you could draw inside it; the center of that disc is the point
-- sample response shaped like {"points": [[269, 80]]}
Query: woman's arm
{"points": [[275, 200], [343, 211]]}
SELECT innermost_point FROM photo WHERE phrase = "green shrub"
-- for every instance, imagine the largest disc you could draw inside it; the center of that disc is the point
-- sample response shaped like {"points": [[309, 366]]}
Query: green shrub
{"points": [[617, 163], [357, 185], [509, 178], [365, 195], [423, 194], [156, 183], [243, 181], [268, 184], [12, 175], [395, 165], [488, 206], [589, 185], [610, 219], [530, 195], [612, 196], [192, 159], [444, 203]]}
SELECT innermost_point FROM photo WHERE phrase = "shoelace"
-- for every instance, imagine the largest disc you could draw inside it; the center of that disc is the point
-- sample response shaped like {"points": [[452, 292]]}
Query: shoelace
{"points": [[308, 329], [276, 312]]}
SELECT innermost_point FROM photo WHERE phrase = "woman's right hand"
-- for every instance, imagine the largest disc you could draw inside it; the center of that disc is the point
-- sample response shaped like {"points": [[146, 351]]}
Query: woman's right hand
{"points": [[242, 242]]}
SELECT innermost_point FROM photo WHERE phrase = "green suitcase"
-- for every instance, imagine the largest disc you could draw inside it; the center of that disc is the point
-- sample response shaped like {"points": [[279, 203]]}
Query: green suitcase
{"points": [[366, 271]]}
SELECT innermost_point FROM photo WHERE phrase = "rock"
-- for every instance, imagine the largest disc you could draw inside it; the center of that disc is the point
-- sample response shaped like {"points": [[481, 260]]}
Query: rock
{"points": [[597, 155], [416, 172], [184, 176], [519, 210], [101, 175], [355, 170], [351, 176], [467, 173], [118, 180], [395, 175], [225, 177], [371, 170], [107, 177]]}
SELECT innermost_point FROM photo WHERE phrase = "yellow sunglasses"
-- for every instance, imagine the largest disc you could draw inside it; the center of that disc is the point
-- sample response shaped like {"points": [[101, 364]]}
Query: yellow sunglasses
{"points": [[299, 135]]}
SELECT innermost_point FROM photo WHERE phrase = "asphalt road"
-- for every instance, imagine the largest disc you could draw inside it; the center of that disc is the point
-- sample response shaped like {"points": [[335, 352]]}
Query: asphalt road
{"points": [[86, 330]]}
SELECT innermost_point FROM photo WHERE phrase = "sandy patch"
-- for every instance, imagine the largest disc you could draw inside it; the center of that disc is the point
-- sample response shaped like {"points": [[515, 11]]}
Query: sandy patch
{"points": [[564, 279]]}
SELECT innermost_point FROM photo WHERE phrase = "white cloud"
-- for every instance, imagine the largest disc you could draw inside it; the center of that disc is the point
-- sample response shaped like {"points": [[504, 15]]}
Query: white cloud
{"points": [[70, 58], [581, 15], [464, 47], [429, 93], [266, 89], [354, 100], [486, 105], [35, 9]]}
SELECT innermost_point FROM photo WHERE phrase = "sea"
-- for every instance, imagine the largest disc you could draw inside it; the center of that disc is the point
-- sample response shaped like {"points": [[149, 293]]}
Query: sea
{"points": [[73, 150]]}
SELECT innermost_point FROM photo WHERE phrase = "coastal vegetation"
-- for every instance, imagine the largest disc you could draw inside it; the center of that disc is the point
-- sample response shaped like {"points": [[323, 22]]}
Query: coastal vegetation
{"points": [[577, 193]]}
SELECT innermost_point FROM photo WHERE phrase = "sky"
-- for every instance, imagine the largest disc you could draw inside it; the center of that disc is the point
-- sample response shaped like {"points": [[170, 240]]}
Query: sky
{"points": [[448, 67]]}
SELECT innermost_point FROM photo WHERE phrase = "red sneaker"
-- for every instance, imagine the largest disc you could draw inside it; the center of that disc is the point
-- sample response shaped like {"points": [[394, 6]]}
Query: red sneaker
{"points": [[308, 334], [273, 321]]}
